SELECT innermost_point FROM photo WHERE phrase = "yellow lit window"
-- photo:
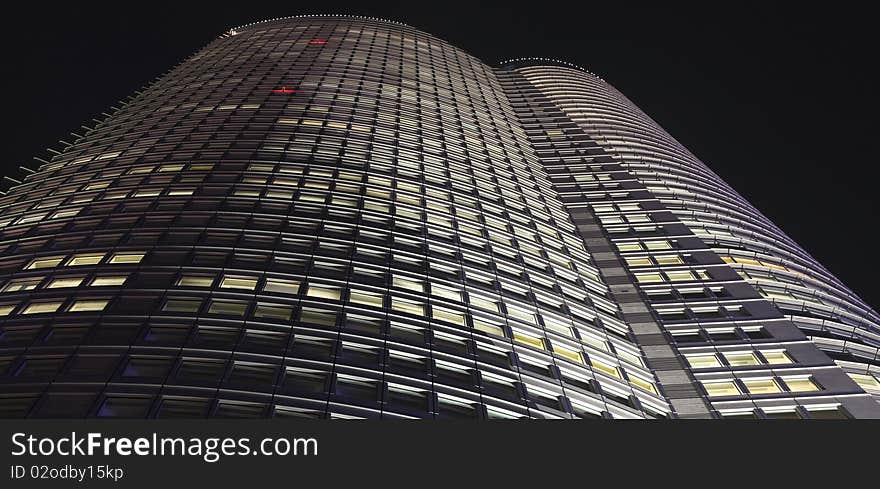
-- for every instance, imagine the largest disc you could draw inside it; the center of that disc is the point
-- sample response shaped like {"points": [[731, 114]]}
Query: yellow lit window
{"points": [[724, 388], [22, 284], [281, 286], [195, 281], [5, 309], [85, 259], [170, 168], [703, 361], [572, 355], [777, 357], [41, 307], [638, 262], [62, 282], [46, 262], [448, 315], [761, 386], [741, 359], [324, 292], [649, 278], [669, 260], [642, 384], [800, 384], [124, 258], [658, 245], [865, 381], [367, 298], [605, 368], [273, 311], [528, 340], [679, 276], [727, 259], [108, 280], [88, 305], [407, 306], [238, 282], [488, 327], [480, 302], [629, 247]]}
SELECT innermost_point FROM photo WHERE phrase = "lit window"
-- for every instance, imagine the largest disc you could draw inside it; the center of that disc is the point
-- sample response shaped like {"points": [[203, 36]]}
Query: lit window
{"points": [[195, 281], [528, 340], [703, 361], [238, 282], [88, 305], [724, 388], [638, 262], [658, 245], [629, 247], [679, 276], [46, 262], [127, 257], [488, 327], [572, 355], [642, 384], [324, 292], [5, 309], [22, 284], [777, 357], [761, 386], [62, 282], [85, 259], [669, 260], [407, 306], [446, 292], [648, 278], [865, 381], [409, 284], [483, 303], [108, 281], [741, 359], [229, 308], [801, 384], [605, 368], [42, 307], [366, 298], [281, 286], [448, 315]]}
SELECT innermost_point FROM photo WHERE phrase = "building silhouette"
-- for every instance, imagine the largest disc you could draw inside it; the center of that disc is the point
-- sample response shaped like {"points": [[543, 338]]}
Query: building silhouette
{"points": [[346, 217]]}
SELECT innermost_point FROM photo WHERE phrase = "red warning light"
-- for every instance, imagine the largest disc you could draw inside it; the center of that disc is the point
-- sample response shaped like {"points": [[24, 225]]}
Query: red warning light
{"points": [[284, 89], [317, 41]]}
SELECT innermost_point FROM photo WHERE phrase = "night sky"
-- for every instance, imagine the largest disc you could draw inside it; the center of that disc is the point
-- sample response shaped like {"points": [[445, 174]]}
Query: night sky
{"points": [[778, 100]]}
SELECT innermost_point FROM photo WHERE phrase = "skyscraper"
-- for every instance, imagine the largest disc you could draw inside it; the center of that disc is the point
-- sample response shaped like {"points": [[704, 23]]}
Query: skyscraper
{"points": [[337, 216]]}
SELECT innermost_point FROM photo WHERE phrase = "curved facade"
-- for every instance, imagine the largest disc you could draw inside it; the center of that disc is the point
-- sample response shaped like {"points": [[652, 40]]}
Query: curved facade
{"points": [[345, 217], [680, 193]]}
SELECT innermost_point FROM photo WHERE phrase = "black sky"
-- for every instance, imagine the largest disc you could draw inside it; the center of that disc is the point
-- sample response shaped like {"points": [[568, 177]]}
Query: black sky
{"points": [[779, 99]]}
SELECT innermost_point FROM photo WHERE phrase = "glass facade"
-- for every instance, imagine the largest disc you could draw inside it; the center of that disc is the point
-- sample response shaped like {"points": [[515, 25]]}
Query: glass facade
{"points": [[345, 217]]}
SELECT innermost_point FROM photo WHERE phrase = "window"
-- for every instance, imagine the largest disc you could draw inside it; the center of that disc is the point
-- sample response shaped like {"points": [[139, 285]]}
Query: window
{"points": [[85, 259], [126, 258], [89, 305], [865, 381], [801, 384], [41, 307], [22, 284], [722, 388], [182, 305], [47, 262], [680, 276], [642, 384], [572, 355], [273, 311], [528, 340], [366, 298], [741, 359], [195, 281], [280, 286], [409, 284], [230, 308], [605, 368], [448, 315], [761, 386], [780, 357], [703, 361], [648, 278], [238, 282], [324, 292], [108, 280]]}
